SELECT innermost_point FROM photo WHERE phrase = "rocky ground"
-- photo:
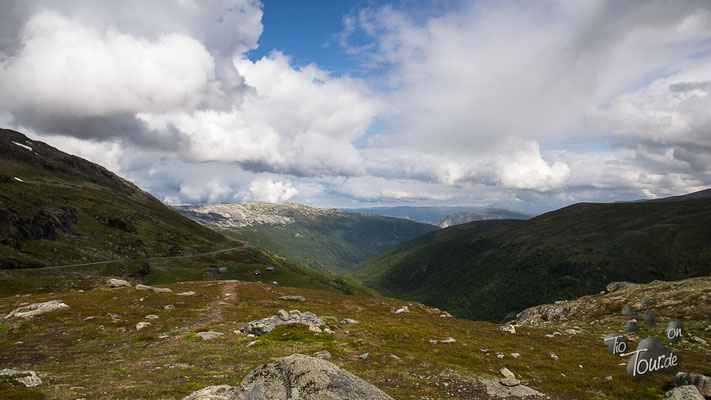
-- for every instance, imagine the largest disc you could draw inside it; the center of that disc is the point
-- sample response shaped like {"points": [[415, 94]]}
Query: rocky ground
{"points": [[170, 341]]}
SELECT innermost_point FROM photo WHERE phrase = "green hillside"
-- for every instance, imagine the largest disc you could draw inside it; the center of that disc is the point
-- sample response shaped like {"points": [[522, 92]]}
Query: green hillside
{"points": [[61, 215], [328, 240], [492, 269]]}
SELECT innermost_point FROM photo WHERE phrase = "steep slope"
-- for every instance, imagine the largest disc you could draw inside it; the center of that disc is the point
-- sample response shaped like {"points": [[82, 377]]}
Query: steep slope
{"points": [[61, 215], [328, 240], [491, 269], [56, 209], [463, 217]]}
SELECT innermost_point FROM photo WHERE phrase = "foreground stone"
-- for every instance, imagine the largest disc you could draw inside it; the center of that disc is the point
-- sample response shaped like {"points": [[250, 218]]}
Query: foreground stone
{"points": [[701, 382], [686, 392], [403, 309], [116, 283], [221, 392], [154, 289], [27, 378], [303, 377], [210, 335], [266, 325], [293, 298], [295, 377], [36, 309], [500, 390]]}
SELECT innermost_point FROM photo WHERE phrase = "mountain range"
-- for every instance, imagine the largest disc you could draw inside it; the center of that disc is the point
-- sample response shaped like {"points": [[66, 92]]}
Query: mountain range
{"points": [[492, 269], [328, 240], [443, 216]]}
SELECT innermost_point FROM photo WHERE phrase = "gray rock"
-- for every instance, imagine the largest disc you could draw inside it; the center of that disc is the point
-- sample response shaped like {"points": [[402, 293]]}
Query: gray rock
{"points": [[448, 340], [188, 293], [221, 392], [266, 325], [506, 373], [349, 321], [116, 283], [323, 354], [151, 316], [608, 378], [498, 390], [292, 298], [686, 392], [400, 310], [36, 309], [303, 377], [363, 356], [702, 382], [210, 335], [510, 382], [142, 325], [154, 289], [283, 315], [27, 378], [553, 356], [698, 340], [508, 328]]}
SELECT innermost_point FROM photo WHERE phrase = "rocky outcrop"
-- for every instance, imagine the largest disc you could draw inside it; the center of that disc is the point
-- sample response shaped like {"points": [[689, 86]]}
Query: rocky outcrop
{"points": [[302, 377], [700, 382], [546, 312], [154, 289], [117, 283], [27, 378], [36, 309], [686, 392], [266, 325], [615, 286], [221, 392]]}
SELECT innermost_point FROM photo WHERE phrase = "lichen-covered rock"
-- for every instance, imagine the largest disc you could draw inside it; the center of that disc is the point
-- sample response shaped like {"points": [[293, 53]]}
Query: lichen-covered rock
{"points": [[142, 325], [27, 378], [36, 309], [303, 377], [292, 298], [221, 392], [701, 382], [154, 289], [210, 335], [116, 283], [266, 325], [686, 392], [546, 312]]}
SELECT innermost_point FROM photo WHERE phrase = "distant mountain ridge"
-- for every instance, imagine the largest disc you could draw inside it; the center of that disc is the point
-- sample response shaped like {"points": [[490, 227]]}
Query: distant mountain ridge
{"points": [[463, 217], [491, 269], [435, 215], [324, 239]]}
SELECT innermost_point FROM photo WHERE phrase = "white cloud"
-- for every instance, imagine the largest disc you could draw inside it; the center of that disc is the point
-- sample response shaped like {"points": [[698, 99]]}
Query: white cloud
{"points": [[294, 120], [272, 192]]}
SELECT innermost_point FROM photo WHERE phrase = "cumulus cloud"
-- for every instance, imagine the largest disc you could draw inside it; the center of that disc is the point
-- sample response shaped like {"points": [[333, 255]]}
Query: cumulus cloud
{"points": [[272, 192], [181, 84]]}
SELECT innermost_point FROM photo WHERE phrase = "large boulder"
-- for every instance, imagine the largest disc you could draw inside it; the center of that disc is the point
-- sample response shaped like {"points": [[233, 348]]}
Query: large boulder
{"points": [[266, 325], [297, 377], [117, 283], [686, 392], [36, 309], [701, 382], [302, 377]]}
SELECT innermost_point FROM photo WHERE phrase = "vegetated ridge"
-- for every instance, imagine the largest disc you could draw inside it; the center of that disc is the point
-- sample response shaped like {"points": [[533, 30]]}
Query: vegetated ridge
{"points": [[493, 269], [327, 240], [61, 215]]}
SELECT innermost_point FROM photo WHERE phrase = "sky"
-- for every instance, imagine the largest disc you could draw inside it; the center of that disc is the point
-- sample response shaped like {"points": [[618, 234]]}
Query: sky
{"points": [[531, 105]]}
